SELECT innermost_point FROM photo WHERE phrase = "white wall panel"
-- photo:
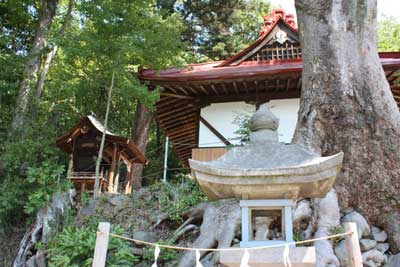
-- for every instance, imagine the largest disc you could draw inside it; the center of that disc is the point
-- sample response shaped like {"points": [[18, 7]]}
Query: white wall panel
{"points": [[222, 116]]}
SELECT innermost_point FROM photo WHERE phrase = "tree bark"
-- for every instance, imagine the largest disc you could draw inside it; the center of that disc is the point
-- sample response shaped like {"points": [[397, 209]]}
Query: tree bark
{"points": [[346, 105], [50, 55], [140, 137], [26, 90], [96, 191]]}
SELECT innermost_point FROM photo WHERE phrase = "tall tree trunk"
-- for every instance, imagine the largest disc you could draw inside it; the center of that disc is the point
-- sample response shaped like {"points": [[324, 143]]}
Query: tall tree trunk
{"points": [[29, 80], [50, 55], [346, 105], [140, 137], [96, 191]]}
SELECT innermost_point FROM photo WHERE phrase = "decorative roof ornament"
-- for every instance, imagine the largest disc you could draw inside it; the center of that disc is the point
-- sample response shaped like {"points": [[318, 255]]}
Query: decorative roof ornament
{"points": [[276, 14]]}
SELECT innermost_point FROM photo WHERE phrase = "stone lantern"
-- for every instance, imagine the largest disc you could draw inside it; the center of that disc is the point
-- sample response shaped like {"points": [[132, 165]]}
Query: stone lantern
{"points": [[268, 177]]}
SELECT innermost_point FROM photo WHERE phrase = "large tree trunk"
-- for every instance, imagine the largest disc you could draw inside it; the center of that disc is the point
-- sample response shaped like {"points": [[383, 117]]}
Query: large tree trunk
{"points": [[50, 55], [27, 86], [346, 105], [140, 137]]}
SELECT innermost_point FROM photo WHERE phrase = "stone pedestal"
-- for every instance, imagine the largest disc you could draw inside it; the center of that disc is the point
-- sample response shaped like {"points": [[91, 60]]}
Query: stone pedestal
{"points": [[271, 257]]}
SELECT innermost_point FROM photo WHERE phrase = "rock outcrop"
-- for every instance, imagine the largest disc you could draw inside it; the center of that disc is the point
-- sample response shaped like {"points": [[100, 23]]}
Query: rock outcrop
{"points": [[46, 224]]}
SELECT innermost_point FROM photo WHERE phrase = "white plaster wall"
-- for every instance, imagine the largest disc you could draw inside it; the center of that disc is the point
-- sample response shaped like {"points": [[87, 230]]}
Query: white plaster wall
{"points": [[222, 115], [286, 110]]}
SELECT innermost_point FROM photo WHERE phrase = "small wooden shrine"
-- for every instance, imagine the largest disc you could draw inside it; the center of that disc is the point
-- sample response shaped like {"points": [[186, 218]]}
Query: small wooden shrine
{"points": [[82, 143]]}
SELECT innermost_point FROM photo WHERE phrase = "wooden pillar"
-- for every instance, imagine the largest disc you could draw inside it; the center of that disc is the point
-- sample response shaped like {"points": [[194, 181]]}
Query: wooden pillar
{"points": [[112, 169], [128, 187], [100, 250], [353, 245], [70, 166], [116, 180]]}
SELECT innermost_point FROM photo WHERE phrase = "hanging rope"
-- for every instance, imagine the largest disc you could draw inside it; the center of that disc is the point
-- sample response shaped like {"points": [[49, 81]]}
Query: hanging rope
{"points": [[228, 249], [156, 253], [245, 259], [286, 259], [198, 263]]}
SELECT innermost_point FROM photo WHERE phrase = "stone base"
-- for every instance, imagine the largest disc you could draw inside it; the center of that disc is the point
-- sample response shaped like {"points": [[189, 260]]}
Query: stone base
{"points": [[271, 257]]}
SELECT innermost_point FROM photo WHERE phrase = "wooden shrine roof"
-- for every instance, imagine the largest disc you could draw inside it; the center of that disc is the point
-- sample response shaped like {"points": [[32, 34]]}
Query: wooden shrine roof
{"points": [[270, 68], [128, 149]]}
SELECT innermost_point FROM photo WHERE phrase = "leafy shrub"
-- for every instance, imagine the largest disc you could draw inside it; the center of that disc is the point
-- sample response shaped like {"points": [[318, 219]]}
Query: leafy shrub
{"points": [[243, 131], [175, 198], [74, 247], [30, 165], [45, 180]]}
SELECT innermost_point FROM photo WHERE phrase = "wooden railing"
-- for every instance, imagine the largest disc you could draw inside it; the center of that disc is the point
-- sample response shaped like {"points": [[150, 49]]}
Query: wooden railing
{"points": [[84, 181]]}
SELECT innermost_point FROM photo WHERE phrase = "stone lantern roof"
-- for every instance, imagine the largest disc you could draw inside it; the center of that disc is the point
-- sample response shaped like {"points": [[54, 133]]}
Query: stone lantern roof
{"points": [[266, 168]]}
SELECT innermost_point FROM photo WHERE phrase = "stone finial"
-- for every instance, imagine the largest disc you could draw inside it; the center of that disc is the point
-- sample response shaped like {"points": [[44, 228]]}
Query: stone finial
{"points": [[263, 125], [263, 119]]}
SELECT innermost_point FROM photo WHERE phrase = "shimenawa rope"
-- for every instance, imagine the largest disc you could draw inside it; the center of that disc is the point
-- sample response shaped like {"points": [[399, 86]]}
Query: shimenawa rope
{"points": [[226, 249]]}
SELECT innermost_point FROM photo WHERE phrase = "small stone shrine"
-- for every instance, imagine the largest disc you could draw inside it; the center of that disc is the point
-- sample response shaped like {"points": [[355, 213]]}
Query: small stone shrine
{"points": [[268, 177]]}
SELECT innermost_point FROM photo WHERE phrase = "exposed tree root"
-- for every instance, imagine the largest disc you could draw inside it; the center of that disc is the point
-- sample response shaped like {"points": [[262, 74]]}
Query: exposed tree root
{"points": [[187, 229], [221, 221], [328, 213]]}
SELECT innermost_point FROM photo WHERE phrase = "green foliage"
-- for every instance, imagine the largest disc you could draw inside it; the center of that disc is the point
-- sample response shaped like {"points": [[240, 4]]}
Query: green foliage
{"points": [[335, 231], [46, 180], [31, 167], [218, 29], [297, 237], [242, 121], [176, 198], [74, 247], [85, 198], [389, 35]]}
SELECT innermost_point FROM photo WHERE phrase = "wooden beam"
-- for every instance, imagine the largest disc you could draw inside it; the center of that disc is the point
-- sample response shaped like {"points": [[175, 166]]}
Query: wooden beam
{"points": [[112, 168], [215, 131], [245, 87], [166, 102], [185, 140], [182, 89], [170, 88], [173, 110], [214, 89], [236, 88], [193, 90], [250, 97], [184, 128], [181, 116], [277, 84], [298, 87], [391, 77], [185, 133], [180, 123], [128, 186], [287, 85], [203, 89], [177, 96], [224, 88]]}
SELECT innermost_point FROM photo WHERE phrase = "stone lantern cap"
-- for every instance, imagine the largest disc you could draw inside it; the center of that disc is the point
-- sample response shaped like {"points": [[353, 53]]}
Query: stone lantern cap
{"points": [[266, 168]]}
